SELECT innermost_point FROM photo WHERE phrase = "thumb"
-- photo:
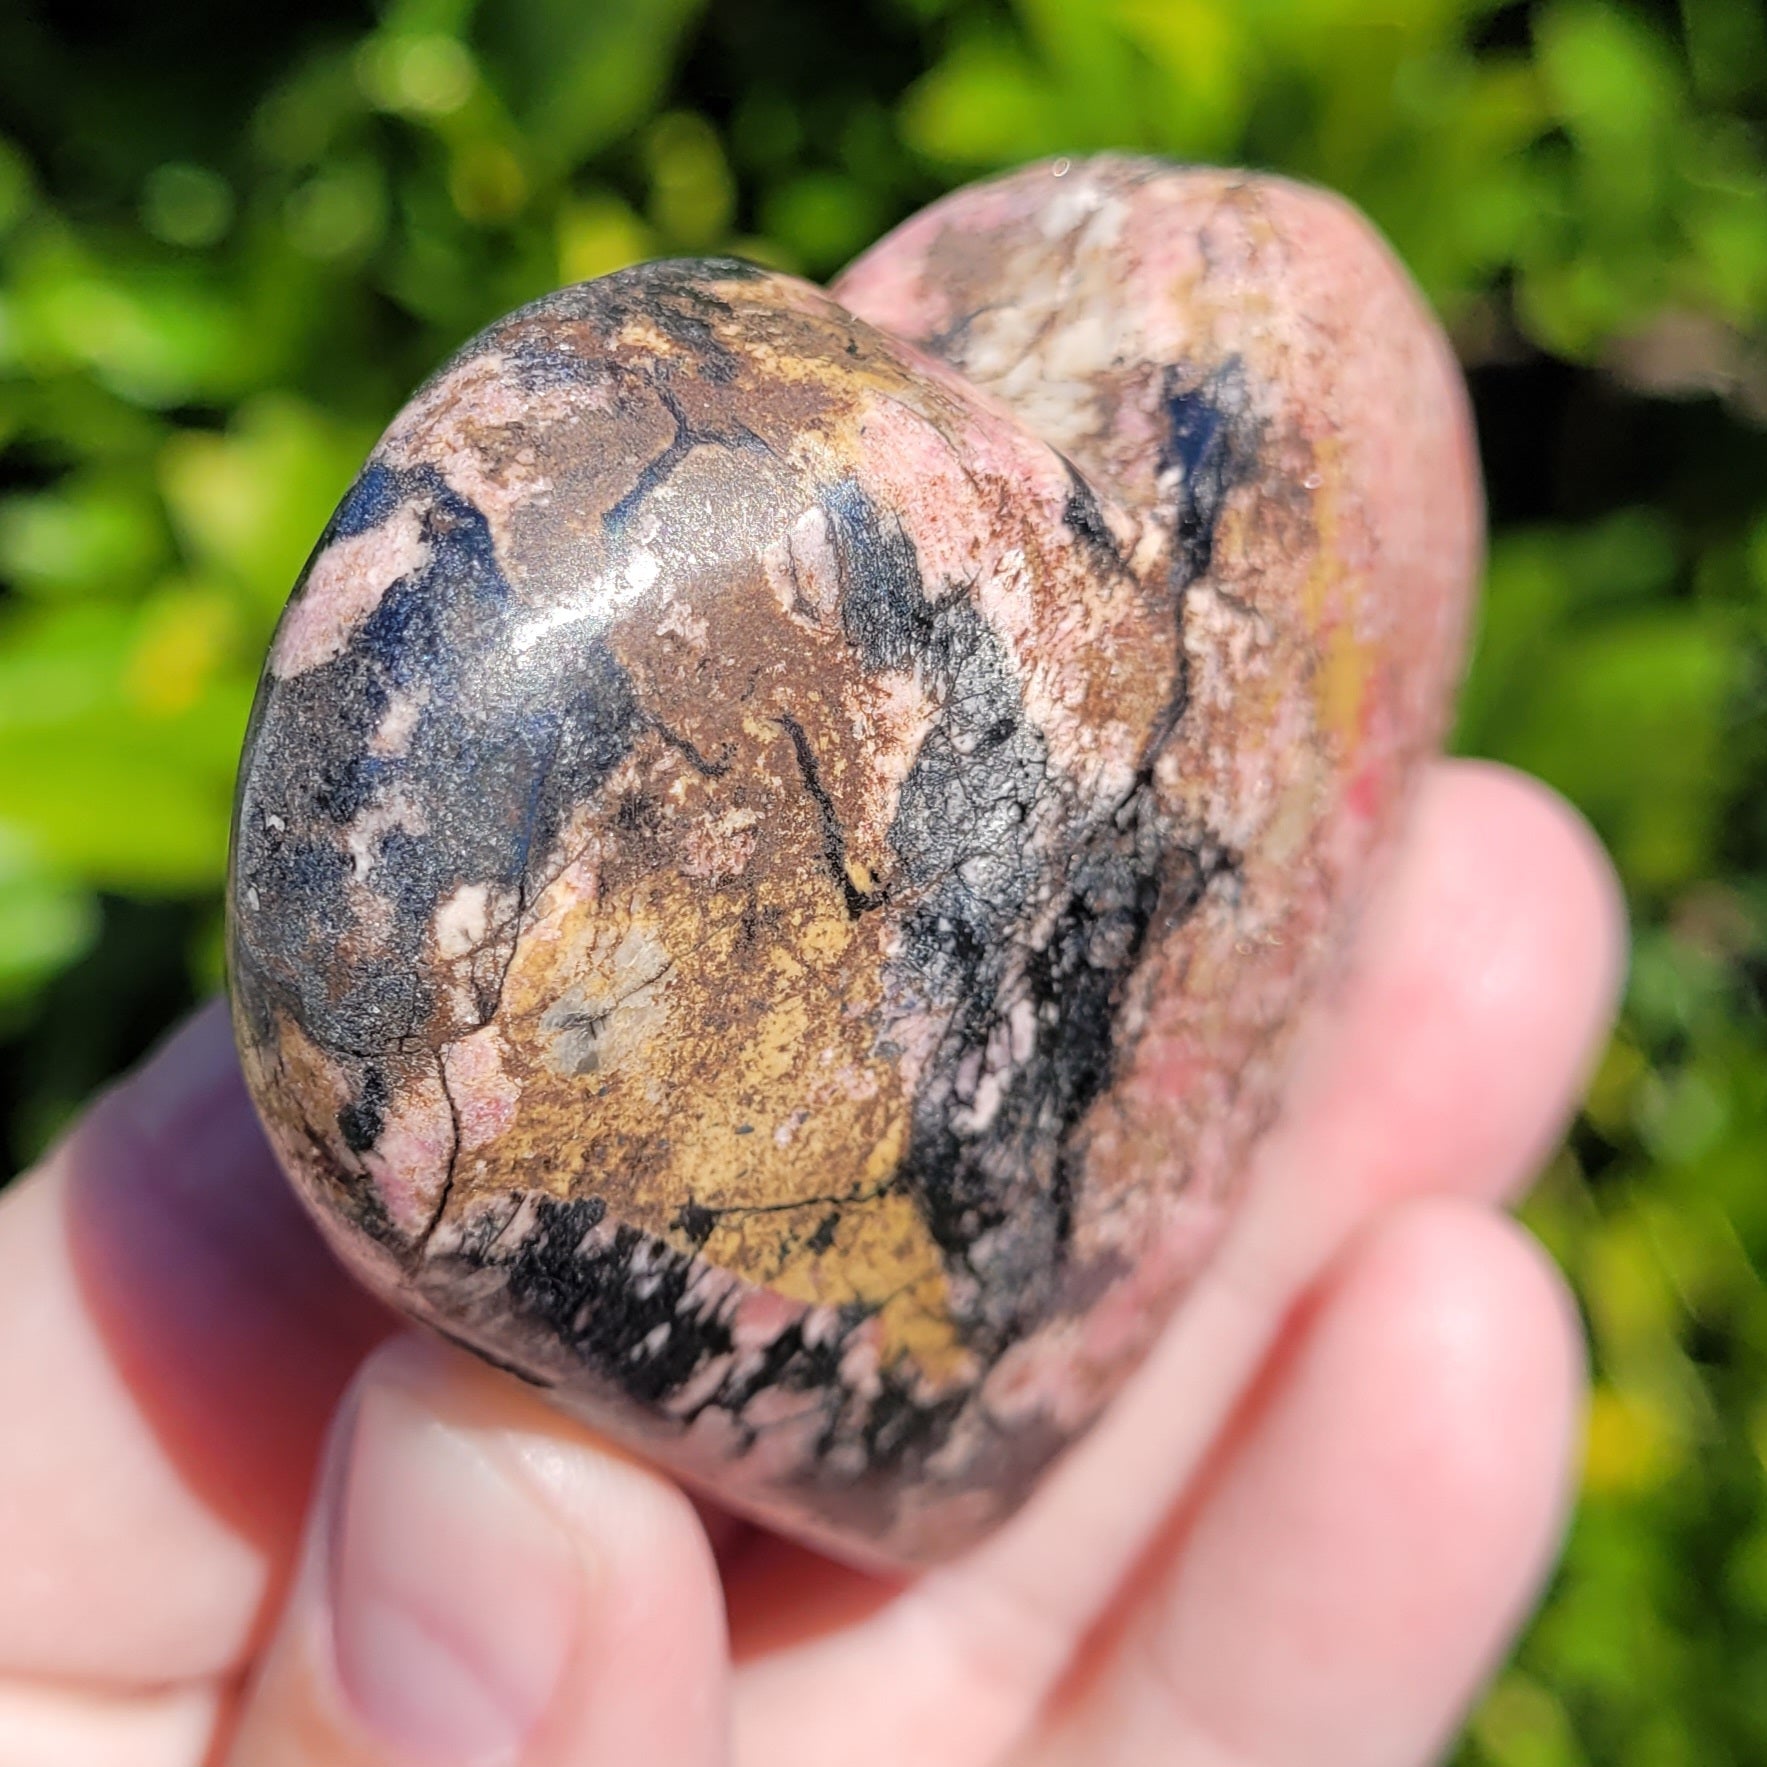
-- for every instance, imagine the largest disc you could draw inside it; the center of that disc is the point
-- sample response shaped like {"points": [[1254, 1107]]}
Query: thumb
{"points": [[484, 1584]]}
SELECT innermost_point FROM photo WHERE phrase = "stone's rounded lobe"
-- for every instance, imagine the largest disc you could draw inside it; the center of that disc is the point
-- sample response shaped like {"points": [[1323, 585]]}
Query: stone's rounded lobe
{"points": [[782, 836]]}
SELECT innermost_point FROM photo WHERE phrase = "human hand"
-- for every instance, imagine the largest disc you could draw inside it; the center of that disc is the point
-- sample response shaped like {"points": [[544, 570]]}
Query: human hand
{"points": [[1302, 1535]]}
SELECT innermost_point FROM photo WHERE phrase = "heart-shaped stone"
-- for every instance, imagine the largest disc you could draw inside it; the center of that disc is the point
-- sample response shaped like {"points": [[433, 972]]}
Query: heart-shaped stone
{"points": [[783, 835]]}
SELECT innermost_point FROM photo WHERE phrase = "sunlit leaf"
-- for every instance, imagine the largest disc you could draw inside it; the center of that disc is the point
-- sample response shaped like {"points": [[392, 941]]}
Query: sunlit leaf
{"points": [[251, 502], [44, 924], [580, 76], [598, 234], [985, 104], [91, 536], [106, 808]]}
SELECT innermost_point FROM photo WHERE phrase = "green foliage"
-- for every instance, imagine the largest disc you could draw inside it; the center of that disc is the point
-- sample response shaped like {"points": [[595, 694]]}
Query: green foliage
{"points": [[222, 270]]}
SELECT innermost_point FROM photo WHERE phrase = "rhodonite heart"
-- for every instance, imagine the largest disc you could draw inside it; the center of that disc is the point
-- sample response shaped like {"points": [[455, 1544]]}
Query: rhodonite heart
{"points": [[783, 835]]}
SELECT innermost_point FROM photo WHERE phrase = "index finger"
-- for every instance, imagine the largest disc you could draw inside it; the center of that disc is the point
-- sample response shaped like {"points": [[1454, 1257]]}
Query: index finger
{"points": [[177, 1336]]}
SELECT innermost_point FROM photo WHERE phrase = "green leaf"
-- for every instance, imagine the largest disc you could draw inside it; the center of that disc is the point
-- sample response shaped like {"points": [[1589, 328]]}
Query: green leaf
{"points": [[106, 807], [824, 217], [45, 922], [692, 195], [984, 104], [579, 76], [153, 335], [250, 503], [1629, 722], [92, 535]]}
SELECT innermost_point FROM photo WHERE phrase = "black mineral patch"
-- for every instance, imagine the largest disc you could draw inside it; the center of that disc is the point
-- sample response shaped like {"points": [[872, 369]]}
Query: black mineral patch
{"points": [[1084, 518], [621, 1307], [343, 855], [360, 1121], [884, 607], [834, 842], [374, 496], [1034, 907], [617, 1302], [1207, 447]]}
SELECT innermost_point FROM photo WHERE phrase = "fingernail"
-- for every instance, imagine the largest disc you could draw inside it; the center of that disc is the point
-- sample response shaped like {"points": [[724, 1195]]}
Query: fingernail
{"points": [[455, 1594]]}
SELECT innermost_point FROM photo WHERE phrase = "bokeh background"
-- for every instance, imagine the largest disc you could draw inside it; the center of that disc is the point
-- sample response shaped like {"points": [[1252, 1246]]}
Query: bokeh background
{"points": [[231, 244]]}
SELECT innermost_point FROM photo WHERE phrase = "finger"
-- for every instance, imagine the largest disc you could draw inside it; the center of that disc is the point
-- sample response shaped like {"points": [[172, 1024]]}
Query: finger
{"points": [[1483, 987], [43, 1726], [178, 1337], [1374, 1537], [485, 1582], [1485, 973]]}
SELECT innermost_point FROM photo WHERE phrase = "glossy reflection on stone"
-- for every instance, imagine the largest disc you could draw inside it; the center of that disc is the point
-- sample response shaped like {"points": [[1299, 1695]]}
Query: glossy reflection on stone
{"points": [[782, 834]]}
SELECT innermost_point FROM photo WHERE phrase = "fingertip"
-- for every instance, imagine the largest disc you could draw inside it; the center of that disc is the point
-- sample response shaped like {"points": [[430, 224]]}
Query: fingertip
{"points": [[180, 1080], [1546, 958], [1401, 1499], [1493, 820], [1492, 1336], [484, 1580], [1382, 1520], [1484, 979]]}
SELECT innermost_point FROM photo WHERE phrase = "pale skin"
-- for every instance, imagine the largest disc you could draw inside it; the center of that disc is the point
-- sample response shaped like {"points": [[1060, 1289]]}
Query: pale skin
{"points": [[244, 1518]]}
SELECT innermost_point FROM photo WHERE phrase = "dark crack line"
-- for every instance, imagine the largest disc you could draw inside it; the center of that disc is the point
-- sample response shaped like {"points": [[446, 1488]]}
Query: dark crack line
{"points": [[661, 467], [656, 473], [518, 914], [800, 605], [834, 842], [420, 1246], [1084, 517], [357, 1181], [488, 1015], [592, 1023], [744, 1210], [683, 746], [949, 343], [1239, 605]]}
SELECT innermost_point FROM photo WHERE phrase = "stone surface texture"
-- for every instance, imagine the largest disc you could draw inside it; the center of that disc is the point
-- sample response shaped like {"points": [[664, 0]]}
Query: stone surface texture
{"points": [[784, 833]]}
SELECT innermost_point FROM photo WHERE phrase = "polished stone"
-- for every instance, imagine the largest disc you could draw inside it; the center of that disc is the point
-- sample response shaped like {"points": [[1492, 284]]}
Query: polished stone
{"points": [[784, 834]]}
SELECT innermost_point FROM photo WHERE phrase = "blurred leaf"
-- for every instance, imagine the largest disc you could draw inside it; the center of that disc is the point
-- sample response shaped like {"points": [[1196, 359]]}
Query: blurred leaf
{"points": [[824, 217], [60, 668], [1521, 1724], [580, 76], [15, 187], [154, 335], [338, 213], [418, 73], [487, 182], [45, 923], [186, 636], [1560, 658], [1630, 1445], [1727, 45], [186, 205], [597, 234], [89, 536], [1661, 689], [1611, 79], [116, 811], [250, 503], [692, 197], [984, 104], [1207, 51]]}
